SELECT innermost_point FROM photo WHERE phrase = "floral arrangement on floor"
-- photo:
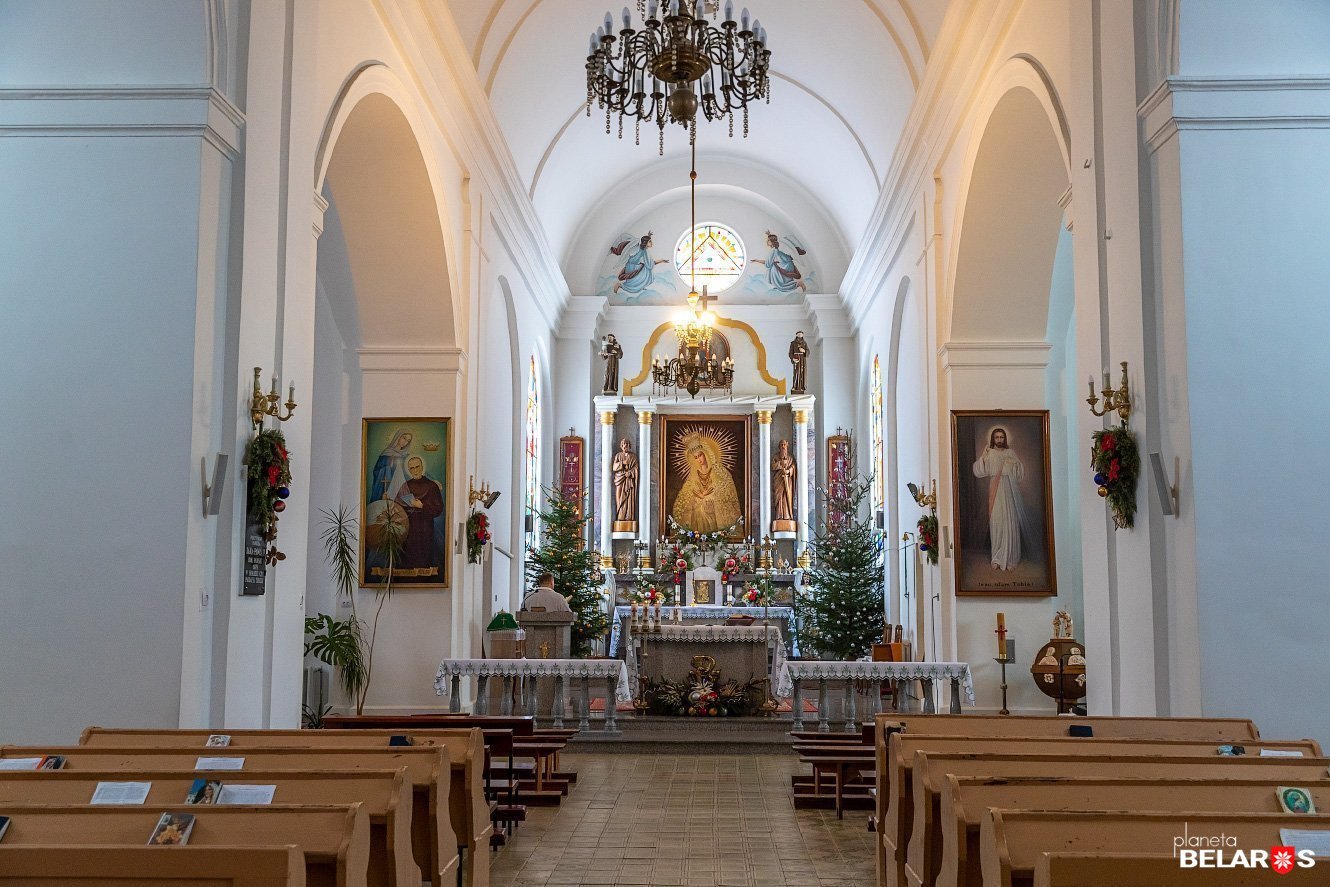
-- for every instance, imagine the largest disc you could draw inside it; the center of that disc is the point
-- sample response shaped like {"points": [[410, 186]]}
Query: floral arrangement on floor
{"points": [[1117, 467], [269, 479], [758, 593], [928, 536], [705, 696], [477, 535]]}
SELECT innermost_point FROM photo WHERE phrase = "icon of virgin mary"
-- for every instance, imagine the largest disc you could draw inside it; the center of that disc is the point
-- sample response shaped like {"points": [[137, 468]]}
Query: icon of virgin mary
{"points": [[707, 501]]}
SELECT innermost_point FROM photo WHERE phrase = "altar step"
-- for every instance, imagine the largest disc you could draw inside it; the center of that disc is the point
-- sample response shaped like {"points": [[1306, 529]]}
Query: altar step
{"points": [[655, 734]]}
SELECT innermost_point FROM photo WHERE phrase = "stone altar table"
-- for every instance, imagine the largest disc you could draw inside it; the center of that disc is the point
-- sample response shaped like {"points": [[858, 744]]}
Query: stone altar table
{"points": [[612, 671], [742, 652], [878, 674], [700, 616]]}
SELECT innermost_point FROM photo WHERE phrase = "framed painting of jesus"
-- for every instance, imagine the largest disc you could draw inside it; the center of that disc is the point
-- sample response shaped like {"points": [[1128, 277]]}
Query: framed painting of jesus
{"points": [[404, 497], [1003, 500], [705, 475]]}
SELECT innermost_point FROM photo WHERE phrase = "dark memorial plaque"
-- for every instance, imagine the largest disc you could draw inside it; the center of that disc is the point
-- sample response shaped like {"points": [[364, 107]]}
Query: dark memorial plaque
{"points": [[255, 581]]}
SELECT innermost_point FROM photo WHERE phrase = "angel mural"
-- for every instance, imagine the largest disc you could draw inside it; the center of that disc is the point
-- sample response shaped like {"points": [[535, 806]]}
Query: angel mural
{"points": [[638, 271], [783, 274]]}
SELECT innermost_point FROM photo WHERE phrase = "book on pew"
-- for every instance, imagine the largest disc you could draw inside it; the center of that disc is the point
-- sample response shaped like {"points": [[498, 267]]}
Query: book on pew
{"points": [[121, 793], [20, 763], [172, 828], [4, 826], [203, 791], [218, 740], [52, 762], [399, 739], [219, 764], [1230, 751], [247, 795]]}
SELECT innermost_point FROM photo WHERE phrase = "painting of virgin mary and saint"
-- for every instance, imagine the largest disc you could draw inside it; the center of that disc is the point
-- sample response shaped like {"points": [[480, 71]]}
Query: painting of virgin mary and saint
{"points": [[705, 467], [404, 483], [1004, 519]]}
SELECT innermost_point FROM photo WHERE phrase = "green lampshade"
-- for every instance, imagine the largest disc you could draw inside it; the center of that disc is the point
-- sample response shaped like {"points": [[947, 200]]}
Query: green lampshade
{"points": [[502, 621]]}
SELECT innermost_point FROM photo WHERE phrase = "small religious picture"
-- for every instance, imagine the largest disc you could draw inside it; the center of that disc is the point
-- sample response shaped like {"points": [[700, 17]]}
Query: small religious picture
{"points": [[704, 591], [1003, 502], [404, 501], [1293, 799], [172, 829], [705, 474]]}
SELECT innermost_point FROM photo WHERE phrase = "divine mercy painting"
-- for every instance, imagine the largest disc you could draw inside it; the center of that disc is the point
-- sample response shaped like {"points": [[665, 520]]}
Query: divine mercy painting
{"points": [[404, 486], [705, 472], [1003, 498]]}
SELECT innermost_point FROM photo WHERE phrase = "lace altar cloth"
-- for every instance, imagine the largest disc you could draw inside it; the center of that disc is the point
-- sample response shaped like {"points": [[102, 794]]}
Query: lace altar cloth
{"points": [[540, 668], [698, 614], [804, 670]]}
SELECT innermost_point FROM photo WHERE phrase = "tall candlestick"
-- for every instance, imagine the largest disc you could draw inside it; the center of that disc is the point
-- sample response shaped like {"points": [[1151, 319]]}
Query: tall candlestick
{"points": [[1002, 621]]}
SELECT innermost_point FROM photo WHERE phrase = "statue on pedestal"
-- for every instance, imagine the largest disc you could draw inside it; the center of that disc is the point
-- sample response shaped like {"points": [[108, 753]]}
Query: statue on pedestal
{"points": [[799, 363], [610, 352], [626, 474], [784, 481]]}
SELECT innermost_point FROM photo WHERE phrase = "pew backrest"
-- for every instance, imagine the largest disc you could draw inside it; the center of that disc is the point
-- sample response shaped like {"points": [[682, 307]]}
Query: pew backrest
{"points": [[1103, 726], [92, 866]]}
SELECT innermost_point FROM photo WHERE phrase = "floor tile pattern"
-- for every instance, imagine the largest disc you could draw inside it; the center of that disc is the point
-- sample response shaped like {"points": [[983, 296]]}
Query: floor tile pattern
{"points": [[685, 821]]}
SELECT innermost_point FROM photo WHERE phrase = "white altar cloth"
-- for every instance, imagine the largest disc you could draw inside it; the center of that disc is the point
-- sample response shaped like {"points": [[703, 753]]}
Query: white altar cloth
{"points": [[707, 613], [804, 670], [538, 668]]}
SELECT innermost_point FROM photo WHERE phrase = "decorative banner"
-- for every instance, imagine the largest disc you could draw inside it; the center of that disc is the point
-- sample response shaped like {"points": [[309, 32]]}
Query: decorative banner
{"points": [[840, 468], [571, 452]]}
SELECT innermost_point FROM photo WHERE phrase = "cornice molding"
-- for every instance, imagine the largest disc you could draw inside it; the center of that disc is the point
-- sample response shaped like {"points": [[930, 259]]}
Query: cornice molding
{"points": [[411, 359], [168, 111], [1233, 103], [990, 355]]}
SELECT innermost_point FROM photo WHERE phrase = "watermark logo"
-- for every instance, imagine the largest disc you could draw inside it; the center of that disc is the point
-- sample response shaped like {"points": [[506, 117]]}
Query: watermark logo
{"points": [[1221, 851]]}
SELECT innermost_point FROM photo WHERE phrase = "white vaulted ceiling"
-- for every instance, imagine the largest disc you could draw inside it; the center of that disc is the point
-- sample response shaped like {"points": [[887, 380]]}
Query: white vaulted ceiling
{"points": [[844, 74]]}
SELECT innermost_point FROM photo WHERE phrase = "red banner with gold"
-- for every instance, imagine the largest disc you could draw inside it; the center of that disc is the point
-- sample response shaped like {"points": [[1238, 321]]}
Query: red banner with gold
{"points": [[572, 450]]}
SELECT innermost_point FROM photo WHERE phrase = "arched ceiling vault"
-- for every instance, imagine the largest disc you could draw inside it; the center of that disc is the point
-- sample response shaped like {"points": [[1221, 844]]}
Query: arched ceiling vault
{"points": [[844, 77]]}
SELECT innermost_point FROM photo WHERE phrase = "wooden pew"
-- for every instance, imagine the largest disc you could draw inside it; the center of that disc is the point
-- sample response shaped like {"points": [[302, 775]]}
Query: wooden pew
{"points": [[1152, 870], [967, 799], [896, 783], [1219, 729], [334, 840], [189, 866], [1012, 841], [931, 769], [426, 767], [384, 794]]}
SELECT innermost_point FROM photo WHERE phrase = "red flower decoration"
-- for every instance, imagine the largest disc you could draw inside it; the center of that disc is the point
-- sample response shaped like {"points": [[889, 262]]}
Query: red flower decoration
{"points": [[1106, 442], [274, 472]]}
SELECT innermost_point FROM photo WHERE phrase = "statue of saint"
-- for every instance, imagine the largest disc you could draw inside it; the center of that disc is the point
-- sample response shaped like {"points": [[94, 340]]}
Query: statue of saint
{"points": [[784, 481], [707, 501], [799, 363], [626, 473], [610, 352]]}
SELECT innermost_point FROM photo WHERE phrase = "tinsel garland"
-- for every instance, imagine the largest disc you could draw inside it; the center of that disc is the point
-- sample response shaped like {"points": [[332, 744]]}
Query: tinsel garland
{"points": [[1117, 466], [269, 479]]}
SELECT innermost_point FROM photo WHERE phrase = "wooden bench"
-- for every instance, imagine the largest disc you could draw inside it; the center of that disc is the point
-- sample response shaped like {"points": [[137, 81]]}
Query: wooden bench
{"points": [[968, 799], [931, 769], [1152, 870], [429, 769], [82, 865], [394, 858], [333, 840], [1012, 841], [1219, 729], [895, 782]]}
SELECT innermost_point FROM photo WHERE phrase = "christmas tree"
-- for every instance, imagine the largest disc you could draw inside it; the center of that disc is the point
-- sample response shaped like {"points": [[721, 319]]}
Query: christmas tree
{"points": [[841, 608], [563, 554]]}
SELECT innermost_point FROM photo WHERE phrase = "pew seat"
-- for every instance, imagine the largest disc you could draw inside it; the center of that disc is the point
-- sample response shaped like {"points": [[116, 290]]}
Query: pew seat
{"points": [[83, 865]]}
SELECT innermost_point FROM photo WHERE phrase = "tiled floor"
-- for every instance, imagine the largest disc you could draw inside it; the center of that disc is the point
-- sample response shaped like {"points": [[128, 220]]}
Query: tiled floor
{"points": [[685, 821]]}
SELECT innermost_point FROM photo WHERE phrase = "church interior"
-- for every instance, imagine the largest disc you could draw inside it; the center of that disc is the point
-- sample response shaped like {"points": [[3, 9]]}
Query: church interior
{"points": [[653, 446]]}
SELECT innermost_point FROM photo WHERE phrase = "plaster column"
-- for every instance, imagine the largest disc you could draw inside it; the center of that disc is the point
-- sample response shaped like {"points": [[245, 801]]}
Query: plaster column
{"points": [[764, 457], [606, 487], [801, 453], [644, 476]]}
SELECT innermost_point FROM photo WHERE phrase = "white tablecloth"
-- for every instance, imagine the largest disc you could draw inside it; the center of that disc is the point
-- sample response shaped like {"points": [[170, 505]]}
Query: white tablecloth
{"points": [[717, 634], [541, 668], [874, 671], [706, 613]]}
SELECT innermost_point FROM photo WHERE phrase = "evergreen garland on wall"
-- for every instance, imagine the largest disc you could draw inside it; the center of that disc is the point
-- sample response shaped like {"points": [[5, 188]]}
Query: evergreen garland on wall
{"points": [[576, 570], [841, 609]]}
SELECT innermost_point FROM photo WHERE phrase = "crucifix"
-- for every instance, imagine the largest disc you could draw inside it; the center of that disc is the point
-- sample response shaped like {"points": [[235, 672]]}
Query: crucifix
{"points": [[699, 303]]}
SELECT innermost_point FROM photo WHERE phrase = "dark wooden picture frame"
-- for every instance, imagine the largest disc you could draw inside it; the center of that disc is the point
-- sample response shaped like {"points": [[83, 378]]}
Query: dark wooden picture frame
{"points": [[737, 429], [1003, 503]]}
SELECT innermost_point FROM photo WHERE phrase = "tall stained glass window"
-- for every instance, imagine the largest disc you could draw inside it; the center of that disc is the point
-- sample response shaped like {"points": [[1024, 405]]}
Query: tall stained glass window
{"points": [[715, 252], [532, 498], [875, 425]]}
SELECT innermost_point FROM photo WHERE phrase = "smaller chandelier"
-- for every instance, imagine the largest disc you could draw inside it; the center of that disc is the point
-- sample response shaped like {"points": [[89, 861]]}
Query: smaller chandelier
{"points": [[675, 64], [696, 367]]}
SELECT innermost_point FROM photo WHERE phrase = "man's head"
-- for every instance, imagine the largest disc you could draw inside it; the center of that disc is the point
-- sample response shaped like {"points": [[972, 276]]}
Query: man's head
{"points": [[799, 335], [998, 438], [545, 580], [415, 466], [610, 338], [624, 444], [784, 447]]}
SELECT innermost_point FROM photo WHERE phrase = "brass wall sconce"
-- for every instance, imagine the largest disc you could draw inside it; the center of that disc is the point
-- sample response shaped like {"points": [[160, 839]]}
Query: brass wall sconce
{"points": [[922, 499], [1119, 401], [263, 405], [485, 496]]}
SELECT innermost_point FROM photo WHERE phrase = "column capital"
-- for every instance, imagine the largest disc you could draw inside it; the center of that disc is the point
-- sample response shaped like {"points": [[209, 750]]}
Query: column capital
{"points": [[607, 417], [800, 417], [644, 417], [764, 417]]}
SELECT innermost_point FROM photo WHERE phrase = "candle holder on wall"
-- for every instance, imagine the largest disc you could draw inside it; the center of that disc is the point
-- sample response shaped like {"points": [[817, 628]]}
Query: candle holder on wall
{"points": [[1118, 401], [263, 405]]}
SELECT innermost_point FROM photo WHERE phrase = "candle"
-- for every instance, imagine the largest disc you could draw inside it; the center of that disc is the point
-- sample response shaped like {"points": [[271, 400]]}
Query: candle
{"points": [[291, 393], [1002, 635], [1092, 386], [1002, 622]]}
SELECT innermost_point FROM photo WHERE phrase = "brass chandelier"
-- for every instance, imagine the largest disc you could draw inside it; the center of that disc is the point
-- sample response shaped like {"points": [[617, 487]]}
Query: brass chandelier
{"points": [[675, 64]]}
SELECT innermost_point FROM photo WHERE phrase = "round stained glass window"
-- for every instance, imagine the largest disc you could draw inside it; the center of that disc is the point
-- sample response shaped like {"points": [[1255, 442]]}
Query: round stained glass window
{"points": [[713, 253]]}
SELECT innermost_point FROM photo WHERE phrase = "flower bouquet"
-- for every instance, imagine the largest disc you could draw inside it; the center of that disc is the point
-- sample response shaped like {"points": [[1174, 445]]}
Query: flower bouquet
{"points": [[477, 536]]}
